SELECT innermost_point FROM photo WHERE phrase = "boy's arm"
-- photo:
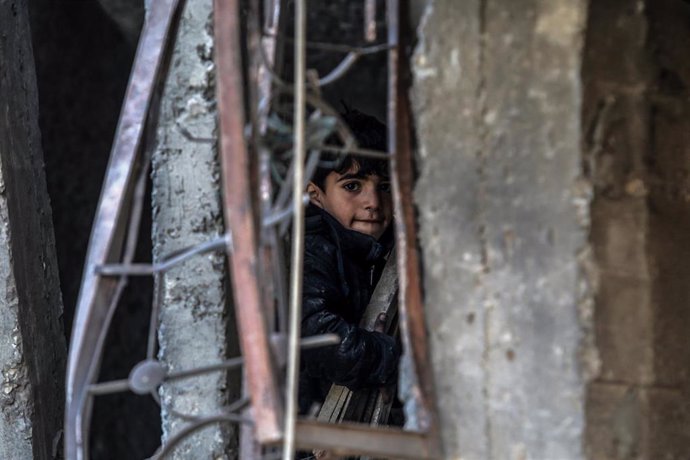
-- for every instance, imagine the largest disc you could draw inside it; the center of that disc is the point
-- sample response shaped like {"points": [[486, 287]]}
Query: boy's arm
{"points": [[363, 358]]}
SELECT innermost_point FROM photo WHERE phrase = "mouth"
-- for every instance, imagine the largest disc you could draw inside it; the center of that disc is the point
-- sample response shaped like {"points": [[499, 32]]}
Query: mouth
{"points": [[372, 227], [370, 221]]}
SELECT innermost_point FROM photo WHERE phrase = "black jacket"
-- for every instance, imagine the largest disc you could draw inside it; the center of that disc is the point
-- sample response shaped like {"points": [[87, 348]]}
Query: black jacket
{"points": [[341, 268]]}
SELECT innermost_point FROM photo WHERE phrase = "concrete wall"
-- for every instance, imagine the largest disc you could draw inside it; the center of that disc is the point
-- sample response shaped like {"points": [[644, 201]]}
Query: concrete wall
{"points": [[195, 321], [32, 345], [669, 209], [504, 217], [82, 66], [637, 147], [513, 142]]}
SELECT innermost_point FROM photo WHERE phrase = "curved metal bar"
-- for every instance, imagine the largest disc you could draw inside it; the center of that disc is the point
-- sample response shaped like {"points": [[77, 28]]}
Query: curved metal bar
{"points": [[180, 435], [234, 407], [340, 70], [318, 103], [98, 294], [277, 217], [335, 47]]}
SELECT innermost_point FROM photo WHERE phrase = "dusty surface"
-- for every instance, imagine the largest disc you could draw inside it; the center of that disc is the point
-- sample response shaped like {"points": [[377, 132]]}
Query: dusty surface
{"points": [[503, 224], [187, 211], [32, 345], [636, 79]]}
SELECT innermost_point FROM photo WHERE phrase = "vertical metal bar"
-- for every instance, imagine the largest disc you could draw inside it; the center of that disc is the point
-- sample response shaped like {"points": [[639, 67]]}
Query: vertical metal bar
{"points": [[269, 42], [272, 266], [412, 321], [238, 209], [155, 311], [370, 20], [259, 88], [297, 232]]}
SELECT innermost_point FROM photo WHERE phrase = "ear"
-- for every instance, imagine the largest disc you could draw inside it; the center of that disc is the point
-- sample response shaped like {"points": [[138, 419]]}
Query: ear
{"points": [[315, 194]]}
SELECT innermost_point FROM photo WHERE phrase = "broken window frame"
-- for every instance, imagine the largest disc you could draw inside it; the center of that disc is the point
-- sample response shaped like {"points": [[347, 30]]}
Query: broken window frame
{"points": [[111, 248], [345, 438]]}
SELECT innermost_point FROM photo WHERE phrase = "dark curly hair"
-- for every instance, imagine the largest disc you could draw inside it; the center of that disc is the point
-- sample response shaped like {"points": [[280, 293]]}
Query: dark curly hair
{"points": [[370, 133]]}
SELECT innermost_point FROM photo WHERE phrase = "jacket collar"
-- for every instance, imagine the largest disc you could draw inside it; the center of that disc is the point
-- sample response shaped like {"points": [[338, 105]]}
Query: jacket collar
{"points": [[358, 246]]}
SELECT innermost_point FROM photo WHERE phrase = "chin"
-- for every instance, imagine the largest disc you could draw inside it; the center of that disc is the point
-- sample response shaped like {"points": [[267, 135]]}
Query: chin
{"points": [[374, 233]]}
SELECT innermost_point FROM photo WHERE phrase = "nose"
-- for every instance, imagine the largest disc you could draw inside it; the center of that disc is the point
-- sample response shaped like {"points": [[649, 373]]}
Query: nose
{"points": [[372, 198]]}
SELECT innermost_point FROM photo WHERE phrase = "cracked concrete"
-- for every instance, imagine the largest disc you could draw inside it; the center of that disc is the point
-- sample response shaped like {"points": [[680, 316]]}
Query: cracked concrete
{"points": [[15, 394], [500, 233], [195, 320], [32, 345]]}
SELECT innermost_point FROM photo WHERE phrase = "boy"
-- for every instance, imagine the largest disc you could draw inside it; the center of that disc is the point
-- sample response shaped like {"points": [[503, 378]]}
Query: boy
{"points": [[348, 233]]}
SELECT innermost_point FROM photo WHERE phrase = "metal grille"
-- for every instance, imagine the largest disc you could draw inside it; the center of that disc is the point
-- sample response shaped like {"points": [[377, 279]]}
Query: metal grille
{"points": [[262, 201]]}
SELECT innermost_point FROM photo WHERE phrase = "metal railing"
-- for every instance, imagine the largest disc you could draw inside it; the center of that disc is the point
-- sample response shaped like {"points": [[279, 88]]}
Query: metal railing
{"points": [[257, 214]]}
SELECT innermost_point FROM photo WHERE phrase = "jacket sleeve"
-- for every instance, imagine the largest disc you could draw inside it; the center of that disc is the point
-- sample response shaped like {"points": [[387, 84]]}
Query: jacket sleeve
{"points": [[363, 358]]}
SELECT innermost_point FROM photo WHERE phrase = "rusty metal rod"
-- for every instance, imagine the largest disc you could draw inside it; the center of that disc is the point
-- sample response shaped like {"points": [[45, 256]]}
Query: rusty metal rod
{"points": [[346, 439], [238, 184], [411, 307]]}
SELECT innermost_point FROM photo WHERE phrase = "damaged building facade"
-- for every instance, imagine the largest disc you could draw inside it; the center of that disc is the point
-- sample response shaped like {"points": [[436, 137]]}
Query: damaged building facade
{"points": [[551, 143]]}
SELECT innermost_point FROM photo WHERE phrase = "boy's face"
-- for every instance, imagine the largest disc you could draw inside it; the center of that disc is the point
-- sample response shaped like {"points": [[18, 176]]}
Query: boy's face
{"points": [[358, 202]]}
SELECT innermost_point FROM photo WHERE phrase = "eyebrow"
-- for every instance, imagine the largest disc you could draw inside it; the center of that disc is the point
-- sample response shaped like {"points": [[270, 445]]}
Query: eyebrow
{"points": [[360, 175], [357, 175]]}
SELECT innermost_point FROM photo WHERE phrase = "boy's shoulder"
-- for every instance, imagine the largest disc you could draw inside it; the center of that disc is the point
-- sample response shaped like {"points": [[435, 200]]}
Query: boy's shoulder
{"points": [[318, 236], [319, 245], [321, 261]]}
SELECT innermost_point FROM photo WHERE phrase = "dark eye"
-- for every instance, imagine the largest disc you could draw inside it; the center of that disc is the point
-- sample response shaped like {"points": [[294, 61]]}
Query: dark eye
{"points": [[353, 186], [385, 187]]}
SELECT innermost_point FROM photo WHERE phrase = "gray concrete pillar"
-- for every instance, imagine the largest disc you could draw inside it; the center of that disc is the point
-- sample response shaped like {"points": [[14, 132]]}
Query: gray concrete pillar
{"points": [[195, 320], [504, 217], [32, 344]]}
